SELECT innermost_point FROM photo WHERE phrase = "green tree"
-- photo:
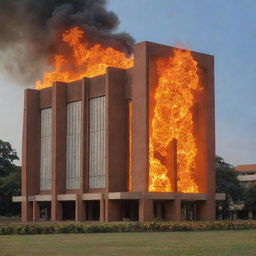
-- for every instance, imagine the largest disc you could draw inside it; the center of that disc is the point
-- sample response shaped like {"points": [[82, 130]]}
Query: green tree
{"points": [[228, 183], [10, 180], [250, 198]]}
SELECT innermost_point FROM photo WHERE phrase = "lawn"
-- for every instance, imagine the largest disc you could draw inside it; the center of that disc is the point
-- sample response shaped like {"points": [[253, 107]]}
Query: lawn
{"points": [[211, 243]]}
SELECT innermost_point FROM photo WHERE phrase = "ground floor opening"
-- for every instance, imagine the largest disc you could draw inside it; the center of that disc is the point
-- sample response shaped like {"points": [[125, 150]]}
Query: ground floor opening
{"points": [[68, 210], [44, 211], [92, 210]]}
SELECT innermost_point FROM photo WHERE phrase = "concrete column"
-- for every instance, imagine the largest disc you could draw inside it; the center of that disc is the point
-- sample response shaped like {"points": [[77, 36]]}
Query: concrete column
{"points": [[59, 137], [30, 150], [26, 211], [36, 211], [146, 210], [117, 131], [84, 136], [173, 210], [113, 210], [102, 210], [140, 124], [80, 213]]}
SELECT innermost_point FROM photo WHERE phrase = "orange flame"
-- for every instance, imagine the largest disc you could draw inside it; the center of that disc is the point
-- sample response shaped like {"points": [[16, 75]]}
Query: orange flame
{"points": [[86, 61], [172, 119]]}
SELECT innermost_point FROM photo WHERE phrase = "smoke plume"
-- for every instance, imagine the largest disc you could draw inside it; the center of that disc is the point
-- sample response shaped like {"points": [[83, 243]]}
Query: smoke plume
{"points": [[30, 32]]}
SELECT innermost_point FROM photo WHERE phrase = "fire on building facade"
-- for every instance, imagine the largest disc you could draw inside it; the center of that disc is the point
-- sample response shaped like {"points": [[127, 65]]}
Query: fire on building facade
{"points": [[131, 144]]}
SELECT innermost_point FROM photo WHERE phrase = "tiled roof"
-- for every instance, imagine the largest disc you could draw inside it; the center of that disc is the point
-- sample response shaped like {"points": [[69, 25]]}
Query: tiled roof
{"points": [[246, 167]]}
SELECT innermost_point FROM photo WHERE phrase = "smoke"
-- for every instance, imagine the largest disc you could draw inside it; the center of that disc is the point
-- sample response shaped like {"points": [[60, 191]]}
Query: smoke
{"points": [[30, 32]]}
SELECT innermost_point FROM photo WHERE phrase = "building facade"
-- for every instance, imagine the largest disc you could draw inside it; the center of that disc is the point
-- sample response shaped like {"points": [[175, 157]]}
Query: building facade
{"points": [[86, 148]]}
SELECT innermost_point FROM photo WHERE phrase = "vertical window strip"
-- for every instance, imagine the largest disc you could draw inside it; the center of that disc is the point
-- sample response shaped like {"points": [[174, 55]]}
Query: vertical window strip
{"points": [[73, 145], [97, 132]]}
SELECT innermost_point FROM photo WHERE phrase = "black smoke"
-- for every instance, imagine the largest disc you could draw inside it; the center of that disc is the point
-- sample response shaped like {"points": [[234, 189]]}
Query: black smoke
{"points": [[30, 32]]}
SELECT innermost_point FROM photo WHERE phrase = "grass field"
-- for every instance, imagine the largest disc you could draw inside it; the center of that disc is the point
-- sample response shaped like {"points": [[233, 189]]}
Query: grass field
{"points": [[211, 243]]}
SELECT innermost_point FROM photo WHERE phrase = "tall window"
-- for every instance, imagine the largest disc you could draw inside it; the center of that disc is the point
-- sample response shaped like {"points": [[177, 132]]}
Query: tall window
{"points": [[46, 149], [97, 132], [73, 145]]}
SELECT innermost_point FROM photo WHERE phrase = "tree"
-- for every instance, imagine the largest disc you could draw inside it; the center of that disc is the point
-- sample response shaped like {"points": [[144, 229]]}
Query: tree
{"points": [[250, 199], [10, 180], [7, 156], [228, 183]]}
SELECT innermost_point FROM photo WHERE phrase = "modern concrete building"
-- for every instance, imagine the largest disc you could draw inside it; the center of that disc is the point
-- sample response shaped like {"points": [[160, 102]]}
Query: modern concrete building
{"points": [[86, 148]]}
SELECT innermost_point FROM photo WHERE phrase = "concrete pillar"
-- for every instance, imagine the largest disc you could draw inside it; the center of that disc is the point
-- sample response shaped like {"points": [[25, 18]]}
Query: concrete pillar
{"points": [[59, 137], [84, 136], [173, 210], [80, 210], [117, 131], [146, 210], [30, 151], [113, 210], [102, 210], [26, 211], [36, 211]]}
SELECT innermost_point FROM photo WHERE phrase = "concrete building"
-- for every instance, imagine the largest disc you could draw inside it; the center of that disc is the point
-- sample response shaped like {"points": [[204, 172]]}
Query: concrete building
{"points": [[247, 174], [86, 148]]}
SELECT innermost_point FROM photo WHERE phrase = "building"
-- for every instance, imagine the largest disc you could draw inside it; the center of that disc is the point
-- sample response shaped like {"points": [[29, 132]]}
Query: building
{"points": [[89, 153], [246, 174]]}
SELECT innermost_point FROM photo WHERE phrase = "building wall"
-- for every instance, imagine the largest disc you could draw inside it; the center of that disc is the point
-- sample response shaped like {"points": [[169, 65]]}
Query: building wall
{"points": [[90, 144]]}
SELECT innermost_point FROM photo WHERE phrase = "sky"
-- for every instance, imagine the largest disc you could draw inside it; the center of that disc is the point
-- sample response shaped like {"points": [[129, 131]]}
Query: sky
{"points": [[223, 28]]}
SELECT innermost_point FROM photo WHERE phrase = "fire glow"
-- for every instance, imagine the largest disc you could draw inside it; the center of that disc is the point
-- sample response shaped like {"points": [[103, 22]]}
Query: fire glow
{"points": [[172, 119], [172, 115], [85, 61]]}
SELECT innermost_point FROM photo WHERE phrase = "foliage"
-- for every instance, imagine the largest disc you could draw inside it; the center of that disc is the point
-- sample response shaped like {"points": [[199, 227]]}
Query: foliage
{"points": [[10, 180], [59, 228], [250, 198], [228, 183]]}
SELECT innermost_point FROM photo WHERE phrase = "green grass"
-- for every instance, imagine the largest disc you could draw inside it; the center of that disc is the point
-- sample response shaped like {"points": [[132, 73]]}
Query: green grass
{"points": [[211, 243]]}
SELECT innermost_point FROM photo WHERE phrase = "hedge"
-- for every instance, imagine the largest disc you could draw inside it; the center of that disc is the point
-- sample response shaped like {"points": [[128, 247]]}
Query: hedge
{"points": [[60, 228]]}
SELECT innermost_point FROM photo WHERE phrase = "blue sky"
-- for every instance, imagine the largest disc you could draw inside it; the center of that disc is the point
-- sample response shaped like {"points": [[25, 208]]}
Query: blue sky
{"points": [[223, 28]]}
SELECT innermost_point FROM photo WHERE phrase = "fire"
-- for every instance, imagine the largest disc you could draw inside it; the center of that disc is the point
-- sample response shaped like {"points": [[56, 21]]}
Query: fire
{"points": [[86, 60], [172, 119]]}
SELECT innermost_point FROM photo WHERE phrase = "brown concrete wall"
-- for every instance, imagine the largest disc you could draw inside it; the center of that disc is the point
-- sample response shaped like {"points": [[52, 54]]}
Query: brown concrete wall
{"points": [[206, 135], [117, 131], [140, 119], [84, 136], [30, 150], [59, 133]]}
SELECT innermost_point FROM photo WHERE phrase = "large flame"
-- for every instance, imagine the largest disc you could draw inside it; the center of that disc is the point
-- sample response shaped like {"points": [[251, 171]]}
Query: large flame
{"points": [[172, 119], [86, 60]]}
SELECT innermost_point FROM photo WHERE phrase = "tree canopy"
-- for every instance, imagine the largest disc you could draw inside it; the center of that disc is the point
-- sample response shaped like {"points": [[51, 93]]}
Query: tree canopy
{"points": [[10, 180]]}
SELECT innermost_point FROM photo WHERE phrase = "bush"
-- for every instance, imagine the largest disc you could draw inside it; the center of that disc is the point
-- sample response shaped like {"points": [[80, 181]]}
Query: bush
{"points": [[57, 228]]}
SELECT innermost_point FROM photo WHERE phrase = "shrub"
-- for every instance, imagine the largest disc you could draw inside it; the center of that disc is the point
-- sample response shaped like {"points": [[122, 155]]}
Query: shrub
{"points": [[61, 227]]}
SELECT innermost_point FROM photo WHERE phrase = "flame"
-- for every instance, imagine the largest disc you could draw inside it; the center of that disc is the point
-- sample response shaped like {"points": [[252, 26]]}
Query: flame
{"points": [[86, 61], [172, 119]]}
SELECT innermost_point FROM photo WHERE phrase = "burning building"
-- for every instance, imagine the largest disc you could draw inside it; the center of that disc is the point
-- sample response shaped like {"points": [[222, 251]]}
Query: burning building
{"points": [[120, 138]]}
